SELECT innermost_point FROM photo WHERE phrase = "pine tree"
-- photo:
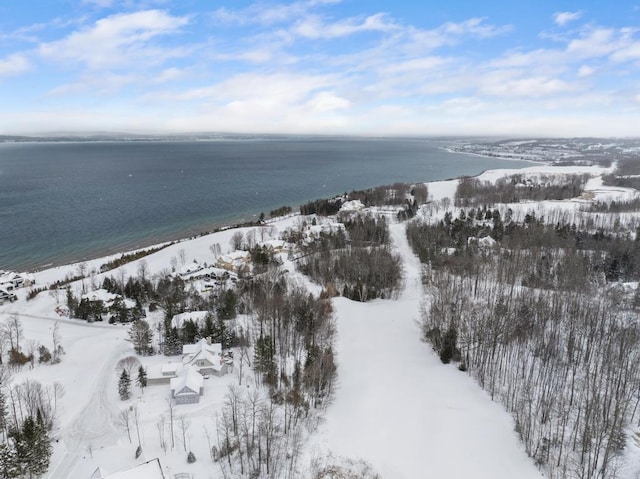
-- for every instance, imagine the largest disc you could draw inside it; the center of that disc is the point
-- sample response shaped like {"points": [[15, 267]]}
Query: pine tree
{"points": [[140, 336], [41, 447], [124, 386], [3, 414], [32, 445], [141, 380], [172, 342], [9, 465]]}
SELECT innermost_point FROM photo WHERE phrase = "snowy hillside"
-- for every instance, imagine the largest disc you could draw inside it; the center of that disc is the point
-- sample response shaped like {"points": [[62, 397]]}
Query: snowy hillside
{"points": [[396, 408]]}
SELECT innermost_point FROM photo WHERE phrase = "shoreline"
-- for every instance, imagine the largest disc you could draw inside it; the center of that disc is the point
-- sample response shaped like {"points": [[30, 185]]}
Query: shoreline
{"points": [[204, 229], [507, 158]]}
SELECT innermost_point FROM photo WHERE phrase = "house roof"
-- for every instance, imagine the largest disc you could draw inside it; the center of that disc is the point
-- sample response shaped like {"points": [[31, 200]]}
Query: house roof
{"points": [[196, 316], [193, 349], [212, 358], [189, 382], [100, 295], [147, 470]]}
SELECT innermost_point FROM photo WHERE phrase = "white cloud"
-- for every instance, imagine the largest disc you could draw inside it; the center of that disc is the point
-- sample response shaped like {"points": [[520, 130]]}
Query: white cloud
{"points": [[586, 71], [259, 88], [313, 26], [510, 83], [12, 65], [269, 13], [118, 40], [451, 33], [328, 101], [562, 18], [594, 42]]}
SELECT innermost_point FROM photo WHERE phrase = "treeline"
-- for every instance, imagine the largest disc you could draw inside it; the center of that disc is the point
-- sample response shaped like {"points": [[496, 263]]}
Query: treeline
{"points": [[533, 253], [563, 364], [292, 336], [516, 188], [324, 207], [27, 418], [282, 211], [396, 194], [361, 270], [531, 311], [626, 175]]}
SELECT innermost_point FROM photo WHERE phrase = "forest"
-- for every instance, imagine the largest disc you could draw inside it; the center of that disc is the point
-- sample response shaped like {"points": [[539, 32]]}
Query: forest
{"points": [[535, 308]]}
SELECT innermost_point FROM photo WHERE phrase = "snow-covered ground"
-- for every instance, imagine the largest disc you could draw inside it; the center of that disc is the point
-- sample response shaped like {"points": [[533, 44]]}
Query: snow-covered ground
{"points": [[397, 407], [400, 409]]}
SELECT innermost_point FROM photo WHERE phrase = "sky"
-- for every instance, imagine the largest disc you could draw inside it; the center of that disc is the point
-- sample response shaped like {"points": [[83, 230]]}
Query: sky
{"points": [[460, 67]]}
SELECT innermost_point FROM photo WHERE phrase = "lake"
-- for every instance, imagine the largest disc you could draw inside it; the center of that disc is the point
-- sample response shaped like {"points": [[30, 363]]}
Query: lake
{"points": [[70, 201]]}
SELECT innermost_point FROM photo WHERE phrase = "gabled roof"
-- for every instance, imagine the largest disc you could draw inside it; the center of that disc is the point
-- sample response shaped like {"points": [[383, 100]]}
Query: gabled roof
{"points": [[147, 470], [212, 358], [189, 382], [196, 316], [193, 349]]}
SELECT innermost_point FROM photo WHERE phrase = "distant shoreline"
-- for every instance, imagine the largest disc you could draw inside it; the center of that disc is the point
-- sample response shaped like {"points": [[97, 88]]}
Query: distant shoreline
{"points": [[162, 233]]}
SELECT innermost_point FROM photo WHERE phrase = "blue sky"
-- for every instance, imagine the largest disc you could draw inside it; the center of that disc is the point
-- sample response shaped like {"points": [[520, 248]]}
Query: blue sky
{"points": [[560, 68]]}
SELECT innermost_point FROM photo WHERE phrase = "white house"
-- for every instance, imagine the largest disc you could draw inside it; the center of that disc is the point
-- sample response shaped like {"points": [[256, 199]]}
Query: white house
{"points": [[235, 261], [147, 470], [206, 358], [188, 387], [163, 373], [107, 298]]}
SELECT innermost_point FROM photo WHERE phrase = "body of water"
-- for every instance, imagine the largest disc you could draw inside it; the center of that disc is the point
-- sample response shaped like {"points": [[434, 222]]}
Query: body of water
{"points": [[63, 202]]}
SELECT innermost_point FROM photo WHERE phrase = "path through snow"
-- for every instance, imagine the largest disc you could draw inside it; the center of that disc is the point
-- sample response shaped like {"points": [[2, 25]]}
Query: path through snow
{"points": [[400, 409]]}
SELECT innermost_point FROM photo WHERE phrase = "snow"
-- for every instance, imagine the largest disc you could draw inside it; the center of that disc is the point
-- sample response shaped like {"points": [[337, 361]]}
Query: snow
{"points": [[400, 409], [188, 383], [148, 470], [353, 205], [397, 407], [196, 316]]}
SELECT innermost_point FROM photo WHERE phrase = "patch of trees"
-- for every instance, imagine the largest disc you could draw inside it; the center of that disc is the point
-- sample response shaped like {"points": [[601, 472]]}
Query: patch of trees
{"points": [[616, 206], [360, 274], [564, 364], [292, 336], [255, 439], [282, 211], [361, 265], [293, 340], [533, 253], [535, 320], [27, 416], [516, 188], [129, 257], [17, 351], [366, 230], [323, 207]]}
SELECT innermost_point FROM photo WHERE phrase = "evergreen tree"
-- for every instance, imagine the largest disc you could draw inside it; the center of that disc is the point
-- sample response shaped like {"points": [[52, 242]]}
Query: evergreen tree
{"points": [[189, 332], [3, 414], [141, 380], [140, 336], [449, 349], [124, 385], [172, 342], [208, 328], [227, 304], [9, 464], [32, 445]]}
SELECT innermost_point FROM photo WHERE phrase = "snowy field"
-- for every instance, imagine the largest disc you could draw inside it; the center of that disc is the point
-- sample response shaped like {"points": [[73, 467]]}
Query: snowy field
{"points": [[397, 407]]}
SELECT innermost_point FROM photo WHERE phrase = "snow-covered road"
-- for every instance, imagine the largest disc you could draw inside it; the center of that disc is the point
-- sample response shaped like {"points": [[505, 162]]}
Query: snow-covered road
{"points": [[400, 409]]}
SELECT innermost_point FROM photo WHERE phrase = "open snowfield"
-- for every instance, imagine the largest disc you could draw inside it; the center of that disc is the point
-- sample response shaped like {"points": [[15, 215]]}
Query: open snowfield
{"points": [[396, 407], [400, 409]]}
